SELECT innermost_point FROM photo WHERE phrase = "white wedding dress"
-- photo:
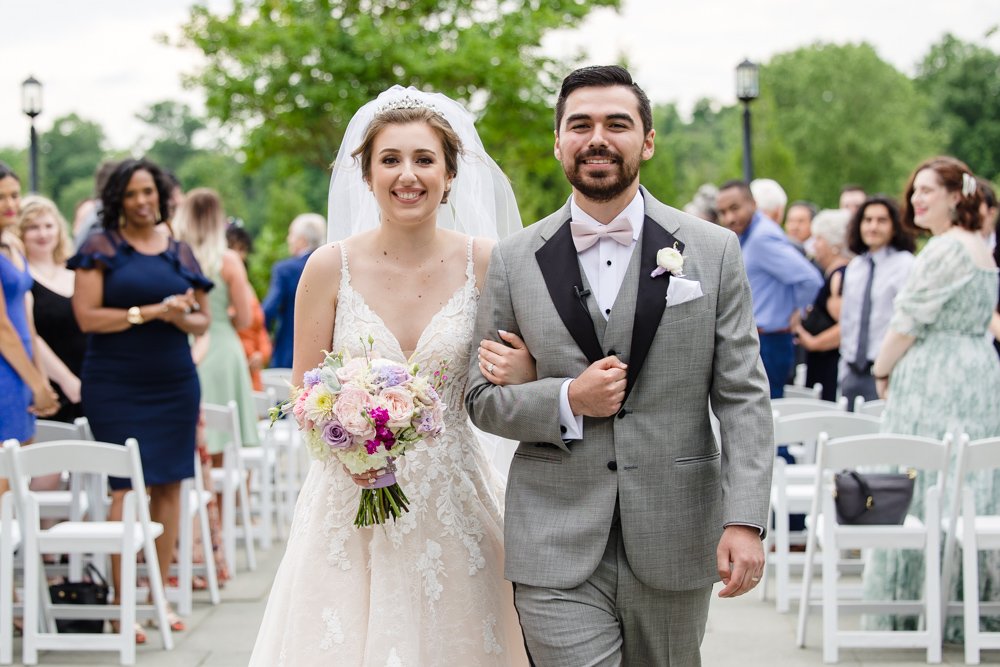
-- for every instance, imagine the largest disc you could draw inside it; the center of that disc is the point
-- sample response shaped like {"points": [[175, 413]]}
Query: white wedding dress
{"points": [[427, 590]]}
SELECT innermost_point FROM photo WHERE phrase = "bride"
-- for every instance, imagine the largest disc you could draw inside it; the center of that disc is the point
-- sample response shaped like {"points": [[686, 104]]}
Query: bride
{"points": [[415, 195]]}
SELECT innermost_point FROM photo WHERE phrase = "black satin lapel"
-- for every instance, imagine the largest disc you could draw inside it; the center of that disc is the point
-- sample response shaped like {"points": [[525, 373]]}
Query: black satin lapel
{"points": [[560, 268], [651, 297]]}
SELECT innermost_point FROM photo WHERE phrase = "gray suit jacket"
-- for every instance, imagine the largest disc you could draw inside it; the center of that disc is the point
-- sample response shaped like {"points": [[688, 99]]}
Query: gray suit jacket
{"points": [[676, 486]]}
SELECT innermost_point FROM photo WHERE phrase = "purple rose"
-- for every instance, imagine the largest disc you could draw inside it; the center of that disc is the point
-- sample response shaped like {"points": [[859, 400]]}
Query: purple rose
{"points": [[311, 378], [336, 436]]}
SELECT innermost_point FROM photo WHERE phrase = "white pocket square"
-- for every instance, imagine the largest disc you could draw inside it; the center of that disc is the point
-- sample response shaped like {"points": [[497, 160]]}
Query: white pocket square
{"points": [[682, 290]]}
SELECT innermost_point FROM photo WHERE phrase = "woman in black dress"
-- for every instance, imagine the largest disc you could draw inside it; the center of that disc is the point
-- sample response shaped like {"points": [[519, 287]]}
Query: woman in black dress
{"points": [[819, 332], [44, 233], [139, 293]]}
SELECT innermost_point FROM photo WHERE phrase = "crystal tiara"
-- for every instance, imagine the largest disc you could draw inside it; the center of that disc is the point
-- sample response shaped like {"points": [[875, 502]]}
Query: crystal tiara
{"points": [[407, 102]]}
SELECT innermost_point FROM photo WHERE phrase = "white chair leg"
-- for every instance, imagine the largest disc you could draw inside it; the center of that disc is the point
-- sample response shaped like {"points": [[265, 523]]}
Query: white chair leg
{"points": [[185, 547], [266, 498], [127, 602], [206, 541], [157, 590], [932, 582], [782, 548], [830, 621], [6, 605], [970, 595], [32, 565], [247, 526]]}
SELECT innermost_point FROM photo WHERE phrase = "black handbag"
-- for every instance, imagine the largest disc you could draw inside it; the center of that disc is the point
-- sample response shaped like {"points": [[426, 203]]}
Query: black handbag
{"points": [[90, 592], [873, 498]]}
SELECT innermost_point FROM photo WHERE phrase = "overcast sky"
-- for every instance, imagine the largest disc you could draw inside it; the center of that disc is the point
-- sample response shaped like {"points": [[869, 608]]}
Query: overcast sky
{"points": [[101, 58]]}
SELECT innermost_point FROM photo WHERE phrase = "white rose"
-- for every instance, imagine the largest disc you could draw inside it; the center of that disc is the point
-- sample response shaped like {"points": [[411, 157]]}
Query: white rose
{"points": [[671, 260]]}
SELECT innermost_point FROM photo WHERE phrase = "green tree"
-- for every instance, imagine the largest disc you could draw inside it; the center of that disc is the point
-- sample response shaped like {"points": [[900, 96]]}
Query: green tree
{"points": [[173, 128], [838, 128], [69, 153], [961, 81], [291, 74]]}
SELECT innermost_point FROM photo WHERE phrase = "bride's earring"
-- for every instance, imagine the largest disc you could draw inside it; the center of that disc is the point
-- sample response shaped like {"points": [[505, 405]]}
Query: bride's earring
{"points": [[447, 191]]}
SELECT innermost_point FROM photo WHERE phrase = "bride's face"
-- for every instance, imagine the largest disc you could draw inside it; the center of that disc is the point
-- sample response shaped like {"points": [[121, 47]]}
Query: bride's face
{"points": [[408, 173]]}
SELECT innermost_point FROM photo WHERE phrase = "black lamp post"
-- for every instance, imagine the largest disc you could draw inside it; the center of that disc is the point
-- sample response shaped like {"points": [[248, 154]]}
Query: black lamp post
{"points": [[747, 90], [31, 105]]}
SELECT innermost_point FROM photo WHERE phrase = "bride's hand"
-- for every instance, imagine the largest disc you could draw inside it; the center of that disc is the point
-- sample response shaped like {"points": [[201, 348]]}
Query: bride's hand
{"points": [[365, 479], [506, 364]]}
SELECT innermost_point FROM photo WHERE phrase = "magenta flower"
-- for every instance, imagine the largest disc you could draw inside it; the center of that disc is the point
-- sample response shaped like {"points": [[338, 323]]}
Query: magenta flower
{"points": [[379, 415]]}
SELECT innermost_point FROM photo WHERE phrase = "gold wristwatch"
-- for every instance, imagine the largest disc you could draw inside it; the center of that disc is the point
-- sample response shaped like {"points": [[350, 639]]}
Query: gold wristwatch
{"points": [[134, 315]]}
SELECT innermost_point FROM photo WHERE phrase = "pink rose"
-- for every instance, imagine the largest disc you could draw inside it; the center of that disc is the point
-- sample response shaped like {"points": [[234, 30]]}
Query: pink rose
{"points": [[351, 370], [299, 407], [397, 401], [351, 409]]}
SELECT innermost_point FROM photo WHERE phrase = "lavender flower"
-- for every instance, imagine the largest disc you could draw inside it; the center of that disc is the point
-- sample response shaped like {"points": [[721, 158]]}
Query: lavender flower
{"points": [[311, 378], [336, 436]]}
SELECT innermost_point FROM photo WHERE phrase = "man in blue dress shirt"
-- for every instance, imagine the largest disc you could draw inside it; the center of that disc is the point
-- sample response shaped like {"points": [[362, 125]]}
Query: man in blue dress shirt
{"points": [[782, 281], [305, 234]]}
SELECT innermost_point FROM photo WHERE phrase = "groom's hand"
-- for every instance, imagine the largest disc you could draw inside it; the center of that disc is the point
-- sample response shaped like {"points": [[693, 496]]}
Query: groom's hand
{"points": [[599, 390], [740, 559]]}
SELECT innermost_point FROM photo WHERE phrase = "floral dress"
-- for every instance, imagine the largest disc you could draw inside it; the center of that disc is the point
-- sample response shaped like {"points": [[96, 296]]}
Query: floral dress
{"points": [[426, 590], [947, 382]]}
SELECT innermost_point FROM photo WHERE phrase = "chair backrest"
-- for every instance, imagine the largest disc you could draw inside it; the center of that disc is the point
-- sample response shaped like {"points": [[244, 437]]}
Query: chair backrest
{"points": [[82, 456], [263, 401], [795, 406], [806, 427], [874, 408], [884, 449], [794, 391], [223, 419], [6, 471], [978, 455], [47, 430]]}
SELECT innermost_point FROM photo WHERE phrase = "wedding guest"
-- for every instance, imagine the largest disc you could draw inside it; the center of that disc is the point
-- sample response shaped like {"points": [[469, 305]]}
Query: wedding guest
{"points": [[256, 343], [44, 233], [819, 332], [201, 223], [936, 370], [85, 223], [305, 234], [702, 205], [851, 197], [782, 281], [24, 388], [770, 197], [798, 226], [989, 212], [140, 294], [884, 257]]}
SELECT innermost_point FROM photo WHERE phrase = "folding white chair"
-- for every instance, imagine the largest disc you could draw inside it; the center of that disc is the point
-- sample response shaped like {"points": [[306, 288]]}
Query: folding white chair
{"points": [[973, 533], [10, 542], [262, 462], [195, 499], [134, 533], [792, 484], [874, 408], [287, 443], [923, 454], [230, 482]]}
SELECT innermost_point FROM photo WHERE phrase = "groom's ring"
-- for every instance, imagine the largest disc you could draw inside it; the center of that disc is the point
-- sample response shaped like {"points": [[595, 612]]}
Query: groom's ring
{"points": [[754, 578], [489, 369]]}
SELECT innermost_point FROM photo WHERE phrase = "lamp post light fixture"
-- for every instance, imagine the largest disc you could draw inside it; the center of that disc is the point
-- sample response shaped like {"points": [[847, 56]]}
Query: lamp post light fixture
{"points": [[747, 90], [31, 105]]}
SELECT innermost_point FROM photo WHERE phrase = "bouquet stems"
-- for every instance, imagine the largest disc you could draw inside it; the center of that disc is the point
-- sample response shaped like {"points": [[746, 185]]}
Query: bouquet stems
{"points": [[379, 505]]}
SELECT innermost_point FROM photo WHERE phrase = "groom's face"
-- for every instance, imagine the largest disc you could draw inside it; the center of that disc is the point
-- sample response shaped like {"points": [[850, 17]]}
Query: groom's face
{"points": [[600, 141]]}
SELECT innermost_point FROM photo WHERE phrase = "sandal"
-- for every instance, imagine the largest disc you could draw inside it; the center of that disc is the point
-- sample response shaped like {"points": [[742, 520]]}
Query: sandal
{"points": [[173, 620], [140, 634]]}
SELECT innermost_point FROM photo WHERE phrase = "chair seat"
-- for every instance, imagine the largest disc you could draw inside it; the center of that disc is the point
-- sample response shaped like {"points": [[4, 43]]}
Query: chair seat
{"points": [[910, 535], [96, 536], [987, 532]]}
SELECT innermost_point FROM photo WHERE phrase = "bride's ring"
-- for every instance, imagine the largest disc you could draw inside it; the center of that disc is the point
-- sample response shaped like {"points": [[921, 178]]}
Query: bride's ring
{"points": [[489, 369]]}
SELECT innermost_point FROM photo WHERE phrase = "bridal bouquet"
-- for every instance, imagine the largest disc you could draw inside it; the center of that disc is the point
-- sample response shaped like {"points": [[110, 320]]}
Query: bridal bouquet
{"points": [[365, 412]]}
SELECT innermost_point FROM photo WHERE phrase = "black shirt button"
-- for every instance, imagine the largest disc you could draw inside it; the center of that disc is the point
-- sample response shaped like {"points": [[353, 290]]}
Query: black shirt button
{"points": [[607, 311], [609, 262], [562, 429], [612, 465]]}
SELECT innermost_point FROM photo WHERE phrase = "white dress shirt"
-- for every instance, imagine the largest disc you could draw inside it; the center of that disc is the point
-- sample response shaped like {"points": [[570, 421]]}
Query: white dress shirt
{"points": [[892, 268], [604, 264]]}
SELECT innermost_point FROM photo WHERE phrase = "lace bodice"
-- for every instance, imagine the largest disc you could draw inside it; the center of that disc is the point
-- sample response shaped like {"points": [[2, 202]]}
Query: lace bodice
{"points": [[437, 571], [448, 336]]}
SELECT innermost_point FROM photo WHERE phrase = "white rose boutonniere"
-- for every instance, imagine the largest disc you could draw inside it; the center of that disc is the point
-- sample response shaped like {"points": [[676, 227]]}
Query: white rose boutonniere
{"points": [[668, 260]]}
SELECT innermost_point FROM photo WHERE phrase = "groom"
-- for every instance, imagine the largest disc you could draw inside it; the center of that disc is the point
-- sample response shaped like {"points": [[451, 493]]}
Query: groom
{"points": [[622, 508]]}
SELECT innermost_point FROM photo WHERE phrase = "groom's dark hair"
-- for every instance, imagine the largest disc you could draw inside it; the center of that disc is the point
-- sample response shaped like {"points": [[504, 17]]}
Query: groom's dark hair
{"points": [[604, 75]]}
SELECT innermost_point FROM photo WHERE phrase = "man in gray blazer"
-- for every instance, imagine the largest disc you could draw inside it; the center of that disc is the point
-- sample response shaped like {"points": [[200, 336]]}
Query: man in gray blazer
{"points": [[622, 508]]}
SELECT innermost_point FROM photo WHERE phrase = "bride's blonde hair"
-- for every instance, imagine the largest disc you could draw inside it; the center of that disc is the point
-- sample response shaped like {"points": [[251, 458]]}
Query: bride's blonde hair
{"points": [[201, 223]]}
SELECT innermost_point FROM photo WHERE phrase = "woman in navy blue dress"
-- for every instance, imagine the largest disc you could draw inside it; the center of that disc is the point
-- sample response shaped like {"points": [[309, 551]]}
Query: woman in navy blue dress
{"points": [[139, 293]]}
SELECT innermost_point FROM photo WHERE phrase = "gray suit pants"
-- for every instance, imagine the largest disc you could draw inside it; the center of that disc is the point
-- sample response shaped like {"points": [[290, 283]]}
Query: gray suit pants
{"points": [[612, 619]]}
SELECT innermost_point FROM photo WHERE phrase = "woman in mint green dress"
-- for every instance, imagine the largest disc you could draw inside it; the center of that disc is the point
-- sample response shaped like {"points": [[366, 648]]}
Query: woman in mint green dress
{"points": [[936, 368], [222, 364]]}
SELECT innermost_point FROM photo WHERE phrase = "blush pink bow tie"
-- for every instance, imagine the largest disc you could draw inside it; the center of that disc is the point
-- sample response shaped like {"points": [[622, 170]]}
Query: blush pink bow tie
{"points": [[586, 235]]}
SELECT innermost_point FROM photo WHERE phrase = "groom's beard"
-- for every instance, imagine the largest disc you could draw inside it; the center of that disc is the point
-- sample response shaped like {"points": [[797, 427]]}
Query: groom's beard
{"points": [[604, 185]]}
